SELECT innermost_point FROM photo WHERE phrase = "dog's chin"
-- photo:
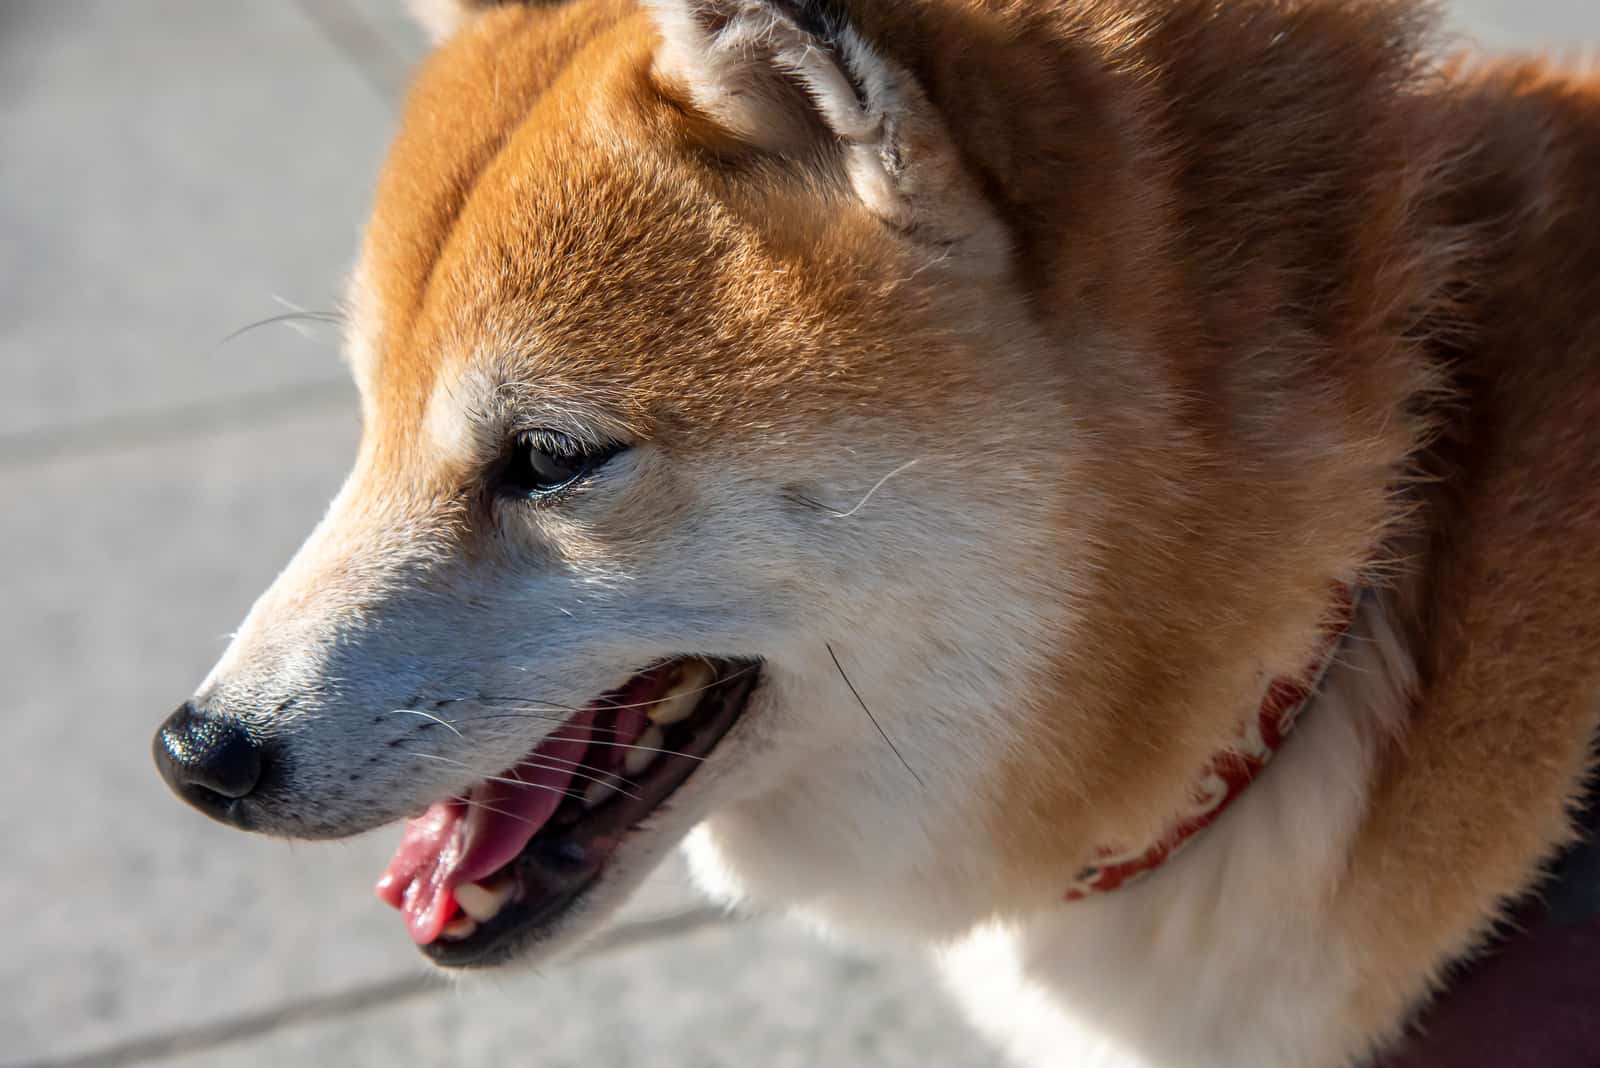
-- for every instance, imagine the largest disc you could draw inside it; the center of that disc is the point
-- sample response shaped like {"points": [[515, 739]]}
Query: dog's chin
{"points": [[527, 896]]}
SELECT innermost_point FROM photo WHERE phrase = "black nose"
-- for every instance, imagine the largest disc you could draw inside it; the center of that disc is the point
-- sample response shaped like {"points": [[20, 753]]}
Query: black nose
{"points": [[207, 760]]}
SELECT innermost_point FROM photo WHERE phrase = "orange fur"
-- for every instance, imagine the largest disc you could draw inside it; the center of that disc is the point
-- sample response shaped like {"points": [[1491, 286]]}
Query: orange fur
{"points": [[1313, 308]]}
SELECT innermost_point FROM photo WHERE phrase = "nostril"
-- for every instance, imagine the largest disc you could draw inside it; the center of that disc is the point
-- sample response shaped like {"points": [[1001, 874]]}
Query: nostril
{"points": [[212, 754]]}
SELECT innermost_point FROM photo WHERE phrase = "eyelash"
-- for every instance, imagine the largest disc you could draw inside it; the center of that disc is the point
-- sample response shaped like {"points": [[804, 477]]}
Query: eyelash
{"points": [[543, 463]]}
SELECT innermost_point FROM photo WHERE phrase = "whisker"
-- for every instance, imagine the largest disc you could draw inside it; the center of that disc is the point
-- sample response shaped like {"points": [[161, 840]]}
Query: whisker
{"points": [[446, 724], [592, 730], [542, 706], [862, 503], [541, 718], [648, 749], [495, 778], [283, 317], [610, 780], [338, 314], [834, 656], [512, 815], [546, 706], [529, 713]]}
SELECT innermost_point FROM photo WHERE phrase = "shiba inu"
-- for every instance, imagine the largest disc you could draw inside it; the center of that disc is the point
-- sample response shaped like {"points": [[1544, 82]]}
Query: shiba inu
{"points": [[1109, 488]]}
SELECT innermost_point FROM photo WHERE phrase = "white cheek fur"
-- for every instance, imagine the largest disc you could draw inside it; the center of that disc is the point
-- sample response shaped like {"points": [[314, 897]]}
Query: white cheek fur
{"points": [[918, 594]]}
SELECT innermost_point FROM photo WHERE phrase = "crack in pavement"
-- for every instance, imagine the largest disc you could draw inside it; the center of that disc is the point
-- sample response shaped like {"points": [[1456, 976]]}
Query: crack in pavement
{"points": [[121, 431], [382, 993], [385, 68], [376, 61]]}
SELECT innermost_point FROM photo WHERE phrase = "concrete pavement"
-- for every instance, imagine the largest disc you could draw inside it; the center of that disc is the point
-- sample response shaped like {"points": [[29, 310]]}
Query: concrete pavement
{"points": [[169, 171]]}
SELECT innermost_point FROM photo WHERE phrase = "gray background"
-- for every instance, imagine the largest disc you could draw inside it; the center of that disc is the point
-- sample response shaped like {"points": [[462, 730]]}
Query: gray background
{"points": [[171, 170]]}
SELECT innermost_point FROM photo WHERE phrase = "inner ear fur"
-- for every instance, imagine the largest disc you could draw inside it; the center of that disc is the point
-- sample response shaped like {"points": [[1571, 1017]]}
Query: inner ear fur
{"points": [[441, 18], [779, 75]]}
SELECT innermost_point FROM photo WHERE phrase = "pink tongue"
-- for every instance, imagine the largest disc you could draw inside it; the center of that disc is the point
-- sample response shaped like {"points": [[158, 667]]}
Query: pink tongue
{"points": [[465, 839]]}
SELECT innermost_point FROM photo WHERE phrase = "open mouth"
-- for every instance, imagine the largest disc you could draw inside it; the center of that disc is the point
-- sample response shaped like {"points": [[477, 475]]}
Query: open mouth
{"points": [[491, 870]]}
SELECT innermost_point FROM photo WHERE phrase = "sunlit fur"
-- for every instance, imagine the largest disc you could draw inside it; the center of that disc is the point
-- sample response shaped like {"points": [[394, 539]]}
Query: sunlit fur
{"points": [[1163, 317]]}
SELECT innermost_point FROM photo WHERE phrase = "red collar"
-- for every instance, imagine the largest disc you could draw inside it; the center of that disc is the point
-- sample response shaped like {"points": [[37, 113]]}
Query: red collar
{"points": [[1229, 771]]}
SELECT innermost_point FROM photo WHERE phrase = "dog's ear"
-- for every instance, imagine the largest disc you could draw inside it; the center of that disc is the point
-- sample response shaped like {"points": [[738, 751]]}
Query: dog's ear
{"points": [[784, 75], [441, 18]]}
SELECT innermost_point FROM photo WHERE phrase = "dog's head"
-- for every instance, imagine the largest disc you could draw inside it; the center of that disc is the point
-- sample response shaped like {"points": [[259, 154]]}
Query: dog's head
{"points": [[715, 469], [701, 418]]}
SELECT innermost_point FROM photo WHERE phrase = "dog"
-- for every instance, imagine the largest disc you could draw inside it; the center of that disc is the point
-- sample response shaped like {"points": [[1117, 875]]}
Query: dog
{"points": [[1109, 489]]}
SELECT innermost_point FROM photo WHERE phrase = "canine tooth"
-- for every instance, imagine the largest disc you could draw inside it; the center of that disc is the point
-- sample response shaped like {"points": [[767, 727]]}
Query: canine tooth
{"points": [[460, 927], [483, 903], [636, 760], [599, 792], [678, 704]]}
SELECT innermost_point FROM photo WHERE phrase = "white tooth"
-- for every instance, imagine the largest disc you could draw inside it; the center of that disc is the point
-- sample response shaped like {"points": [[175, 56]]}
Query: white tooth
{"points": [[645, 750], [679, 703], [600, 791], [483, 903], [637, 759], [460, 927]]}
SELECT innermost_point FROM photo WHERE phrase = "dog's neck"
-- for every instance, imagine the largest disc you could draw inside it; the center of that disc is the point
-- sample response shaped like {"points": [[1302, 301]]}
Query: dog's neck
{"points": [[1234, 927], [1229, 772], [1252, 451]]}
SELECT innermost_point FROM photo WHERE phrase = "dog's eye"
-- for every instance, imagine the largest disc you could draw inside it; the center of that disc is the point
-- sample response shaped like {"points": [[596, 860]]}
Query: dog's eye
{"points": [[544, 461]]}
